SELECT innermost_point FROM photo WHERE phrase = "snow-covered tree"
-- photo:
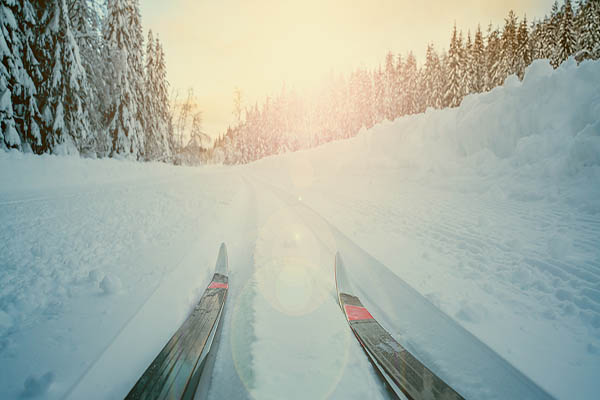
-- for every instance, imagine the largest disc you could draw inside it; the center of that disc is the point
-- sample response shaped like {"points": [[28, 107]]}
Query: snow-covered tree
{"points": [[493, 59], [508, 53], [126, 78], [379, 94], [588, 29], [19, 76], [432, 91], [452, 93], [410, 85], [466, 61], [10, 65], [478, 60], [86, 26], [391, 86], [566, 40], [64, 111], [164, 126], [523, 50]]}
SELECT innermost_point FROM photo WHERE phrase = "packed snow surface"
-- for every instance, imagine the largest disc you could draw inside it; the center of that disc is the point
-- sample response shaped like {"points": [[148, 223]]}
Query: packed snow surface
{"points": [[471, 234]]}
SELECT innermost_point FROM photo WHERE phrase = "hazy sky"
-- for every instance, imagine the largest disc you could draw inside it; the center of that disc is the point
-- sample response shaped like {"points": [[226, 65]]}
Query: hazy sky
{"points": [[214, 46]]}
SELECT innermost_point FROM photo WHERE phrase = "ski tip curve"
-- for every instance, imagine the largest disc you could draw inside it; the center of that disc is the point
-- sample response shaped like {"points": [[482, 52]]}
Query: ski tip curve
{"points": [[342, 283], [222, 260]]}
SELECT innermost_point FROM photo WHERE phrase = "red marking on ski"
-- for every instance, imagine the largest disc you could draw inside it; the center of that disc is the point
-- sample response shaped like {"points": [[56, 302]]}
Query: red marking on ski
{"points": [[355, 313], [218, 285]]}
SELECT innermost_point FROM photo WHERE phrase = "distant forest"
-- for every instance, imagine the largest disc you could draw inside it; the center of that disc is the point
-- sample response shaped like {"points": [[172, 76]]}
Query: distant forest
{"points": [[81, 77], [473, 63]]}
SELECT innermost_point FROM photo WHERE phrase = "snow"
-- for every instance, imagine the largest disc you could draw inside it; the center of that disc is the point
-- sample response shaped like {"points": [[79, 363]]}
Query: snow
{"points": [[110, 284], [471, 234]]}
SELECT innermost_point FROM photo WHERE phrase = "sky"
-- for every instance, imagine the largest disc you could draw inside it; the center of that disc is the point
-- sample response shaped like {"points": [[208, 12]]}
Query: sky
{"points": [[215, 46]]}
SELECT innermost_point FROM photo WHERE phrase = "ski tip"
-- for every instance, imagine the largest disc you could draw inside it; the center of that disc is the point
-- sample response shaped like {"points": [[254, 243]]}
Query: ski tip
{"points": [[342, 283], [338, 259], [222, 260]]}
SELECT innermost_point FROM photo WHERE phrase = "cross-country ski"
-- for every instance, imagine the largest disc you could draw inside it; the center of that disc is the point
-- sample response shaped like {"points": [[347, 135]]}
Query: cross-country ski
{"points": [[176, 372], [407, 376]]}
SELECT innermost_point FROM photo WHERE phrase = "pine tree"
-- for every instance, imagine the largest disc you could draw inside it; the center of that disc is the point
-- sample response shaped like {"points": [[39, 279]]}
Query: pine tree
{"points": [[29, 123], [137, 63], [400, 88], [478, 60], [552, 33], [64, 113], [523, 51], [125, 127], [466, 61], [164, 127], [379, 94], [391, 86], [431, 78], [588, 29], [10, 47], [151, 151], [508, 54], [86, 27], [411, 85], [453, 95], [19, 77], [493, 59], [566, 39]]}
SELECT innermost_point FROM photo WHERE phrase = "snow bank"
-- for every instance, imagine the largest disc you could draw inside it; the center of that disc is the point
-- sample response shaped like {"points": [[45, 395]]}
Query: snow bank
{"points": [[542, 132], [528, 123]]}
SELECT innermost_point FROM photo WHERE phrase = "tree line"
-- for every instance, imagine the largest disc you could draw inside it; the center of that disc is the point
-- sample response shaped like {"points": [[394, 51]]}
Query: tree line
{"points": [[75, 77], [472, 64]]}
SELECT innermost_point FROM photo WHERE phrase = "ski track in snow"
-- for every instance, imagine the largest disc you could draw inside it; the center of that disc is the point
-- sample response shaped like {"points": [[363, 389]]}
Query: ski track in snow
{"points": [[304, 348], [468, 262]]}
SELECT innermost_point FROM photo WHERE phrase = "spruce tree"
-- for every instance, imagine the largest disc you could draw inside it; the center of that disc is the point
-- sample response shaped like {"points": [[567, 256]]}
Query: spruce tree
{"points": [[164, 126], [379, 94], [123, 42], [86, 27], [523, 51], [431, 78], [411, 85], [553, 32], [467, 66], [478, 60], [400, 88], [30, 122], [10, 64], [453, 95], [508, 54], [151, 98], [19, 76], [566, 39], [493, 59], [588, 31], [64, 112], [391, 88]]}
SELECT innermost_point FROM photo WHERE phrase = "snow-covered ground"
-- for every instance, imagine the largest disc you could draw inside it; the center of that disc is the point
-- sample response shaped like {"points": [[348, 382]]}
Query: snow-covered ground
{"points": [[490, 211]]}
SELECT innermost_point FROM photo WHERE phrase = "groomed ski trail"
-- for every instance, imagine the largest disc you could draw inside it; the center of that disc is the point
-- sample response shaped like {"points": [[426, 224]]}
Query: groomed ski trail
{"points": [[453, 353], [303, 346], [118, 366]]}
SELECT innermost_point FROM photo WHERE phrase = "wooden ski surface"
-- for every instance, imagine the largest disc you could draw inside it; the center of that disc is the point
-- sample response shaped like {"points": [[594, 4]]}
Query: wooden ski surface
{"points": [[175, 372]]}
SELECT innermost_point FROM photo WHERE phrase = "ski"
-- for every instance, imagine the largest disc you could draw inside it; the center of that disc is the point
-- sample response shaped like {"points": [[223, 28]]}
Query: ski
{"points": [[175, 373], [407, 377]]}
